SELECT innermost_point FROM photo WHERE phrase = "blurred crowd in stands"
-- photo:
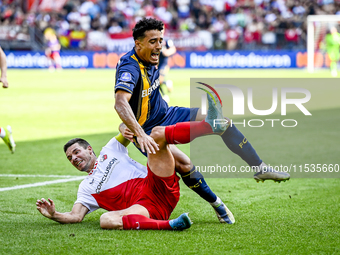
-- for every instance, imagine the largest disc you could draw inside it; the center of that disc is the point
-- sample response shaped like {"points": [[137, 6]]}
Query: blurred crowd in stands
{"points": [[232, 24]]}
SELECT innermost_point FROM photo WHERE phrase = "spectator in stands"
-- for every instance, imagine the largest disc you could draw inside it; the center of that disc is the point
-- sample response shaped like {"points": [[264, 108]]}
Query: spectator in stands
{"points": [[178, 15], [292, 36]]}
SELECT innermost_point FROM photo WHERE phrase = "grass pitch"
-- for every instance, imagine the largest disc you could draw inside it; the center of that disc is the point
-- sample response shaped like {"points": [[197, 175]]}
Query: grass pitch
{"points": [[46, 109]]}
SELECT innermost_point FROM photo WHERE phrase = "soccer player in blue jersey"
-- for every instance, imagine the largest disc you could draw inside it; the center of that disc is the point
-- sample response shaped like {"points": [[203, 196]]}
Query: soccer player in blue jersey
{"points": [[168, 50], [141, 107]]}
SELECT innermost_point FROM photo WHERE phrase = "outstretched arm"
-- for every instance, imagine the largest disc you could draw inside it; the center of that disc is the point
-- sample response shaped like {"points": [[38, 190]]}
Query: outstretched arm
{"points": [[126, 115], [48, 210]]}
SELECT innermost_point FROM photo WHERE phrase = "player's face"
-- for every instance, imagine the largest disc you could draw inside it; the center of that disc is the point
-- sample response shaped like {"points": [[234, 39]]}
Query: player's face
{"points": [[80, 158], [149, 48]]}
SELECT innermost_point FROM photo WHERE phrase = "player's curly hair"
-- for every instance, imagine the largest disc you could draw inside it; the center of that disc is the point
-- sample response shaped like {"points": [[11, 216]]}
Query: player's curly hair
{"points": [[144, 25]]}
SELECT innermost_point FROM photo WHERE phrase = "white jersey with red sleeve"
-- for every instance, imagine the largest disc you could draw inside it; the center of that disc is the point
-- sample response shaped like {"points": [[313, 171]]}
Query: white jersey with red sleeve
{"points": [[113, 183]]}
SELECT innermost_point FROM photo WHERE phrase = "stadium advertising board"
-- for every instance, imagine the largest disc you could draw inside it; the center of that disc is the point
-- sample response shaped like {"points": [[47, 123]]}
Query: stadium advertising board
{"points": [[223, 59], [205, 59], [28, 59]]}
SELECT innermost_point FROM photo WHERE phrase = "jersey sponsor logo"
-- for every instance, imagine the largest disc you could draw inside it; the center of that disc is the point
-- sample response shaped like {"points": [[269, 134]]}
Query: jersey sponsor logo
{"points": [[103, 158], [126, 76], [106, 174], [148, 91]]}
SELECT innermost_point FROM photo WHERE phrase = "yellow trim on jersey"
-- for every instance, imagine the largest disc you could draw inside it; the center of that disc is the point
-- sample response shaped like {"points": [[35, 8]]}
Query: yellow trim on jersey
{"points": [[145, 104], [134, 57], [120, 138], [145, 100], [123, 88]]}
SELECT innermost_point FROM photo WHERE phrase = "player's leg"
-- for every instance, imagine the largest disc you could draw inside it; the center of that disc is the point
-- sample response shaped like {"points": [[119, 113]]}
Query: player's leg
{"points": [[162, 87], [162, 163], [135, 221], [137, 217], [6, 135], [184, 133], [165, 86], [49, 55], [57, 60], [193, 179], [196, 182], [113, 219], [334, 58], [162, 74], [239, 144]]}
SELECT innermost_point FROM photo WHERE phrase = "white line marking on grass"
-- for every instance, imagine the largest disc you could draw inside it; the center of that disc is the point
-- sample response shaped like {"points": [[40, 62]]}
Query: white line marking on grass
{"points": [[37, 175], [42, 183]]}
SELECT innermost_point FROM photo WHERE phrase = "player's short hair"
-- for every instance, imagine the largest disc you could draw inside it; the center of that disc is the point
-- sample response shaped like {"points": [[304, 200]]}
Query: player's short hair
{"points": [[146, 24], [83, 143]]}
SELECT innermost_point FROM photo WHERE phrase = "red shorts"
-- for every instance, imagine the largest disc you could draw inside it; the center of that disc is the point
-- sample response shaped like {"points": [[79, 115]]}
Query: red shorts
{"points": [[54, 55], [160, 195]]}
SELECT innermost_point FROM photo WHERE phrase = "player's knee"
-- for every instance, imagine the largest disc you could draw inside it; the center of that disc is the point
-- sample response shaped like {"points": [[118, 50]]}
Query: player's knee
{"points": [[109, 221], [158, 134], [183, 166]]}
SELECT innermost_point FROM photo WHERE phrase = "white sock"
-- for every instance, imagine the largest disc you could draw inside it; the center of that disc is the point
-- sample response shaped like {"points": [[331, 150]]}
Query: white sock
{"points": [[217, 202]]}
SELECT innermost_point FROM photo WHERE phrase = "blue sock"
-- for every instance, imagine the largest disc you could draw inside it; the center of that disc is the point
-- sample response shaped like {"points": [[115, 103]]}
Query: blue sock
{"points": [[238, 144], [195, 181]]}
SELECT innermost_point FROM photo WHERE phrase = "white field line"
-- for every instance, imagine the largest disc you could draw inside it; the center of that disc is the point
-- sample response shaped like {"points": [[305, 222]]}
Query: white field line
{"points": [[37, 175], [42, 183]]}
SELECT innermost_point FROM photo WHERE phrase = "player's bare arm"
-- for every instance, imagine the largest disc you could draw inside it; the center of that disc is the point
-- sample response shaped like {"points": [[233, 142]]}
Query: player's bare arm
{"points": [[126, 115], [47, 209], [126, 132], [3, 68]]}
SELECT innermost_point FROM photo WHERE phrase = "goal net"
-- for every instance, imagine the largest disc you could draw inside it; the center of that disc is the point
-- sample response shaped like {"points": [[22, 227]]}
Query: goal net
{"points": [[317, 27]]}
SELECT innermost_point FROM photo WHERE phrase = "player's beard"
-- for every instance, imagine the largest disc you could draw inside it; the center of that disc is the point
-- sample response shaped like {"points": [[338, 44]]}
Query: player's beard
{"points": [[86, 167]]}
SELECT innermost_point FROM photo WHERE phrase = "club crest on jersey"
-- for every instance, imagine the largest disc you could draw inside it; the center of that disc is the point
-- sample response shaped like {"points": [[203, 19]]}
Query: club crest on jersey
{"points": [[103, 158], [126, 76]]}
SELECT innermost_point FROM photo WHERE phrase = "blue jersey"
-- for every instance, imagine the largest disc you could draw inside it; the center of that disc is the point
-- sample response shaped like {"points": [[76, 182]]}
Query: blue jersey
{"points": [[163, 60], [142, 81]]}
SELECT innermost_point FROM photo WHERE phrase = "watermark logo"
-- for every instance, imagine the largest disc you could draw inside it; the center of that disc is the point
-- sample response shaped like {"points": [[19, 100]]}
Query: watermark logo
{"points": [[238, 107]]}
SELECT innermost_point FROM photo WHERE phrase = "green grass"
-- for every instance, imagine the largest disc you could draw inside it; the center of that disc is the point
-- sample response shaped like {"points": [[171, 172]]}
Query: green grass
{"points": [[46, 110]]}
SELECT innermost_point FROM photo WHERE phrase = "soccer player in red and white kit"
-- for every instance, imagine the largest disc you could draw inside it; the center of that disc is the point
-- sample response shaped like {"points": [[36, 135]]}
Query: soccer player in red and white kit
{"points": [[136, 197], [52, 51]]}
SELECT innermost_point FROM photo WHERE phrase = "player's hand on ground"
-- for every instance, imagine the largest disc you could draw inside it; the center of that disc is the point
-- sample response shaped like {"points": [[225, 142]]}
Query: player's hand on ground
{"points": [[46, 208], [147, 143], [126, 132], [4, 82]]}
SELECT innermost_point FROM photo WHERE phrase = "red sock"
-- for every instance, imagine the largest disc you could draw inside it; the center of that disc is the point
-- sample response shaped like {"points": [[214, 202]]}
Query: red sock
{"points": [[136, 221], [185, 132]]}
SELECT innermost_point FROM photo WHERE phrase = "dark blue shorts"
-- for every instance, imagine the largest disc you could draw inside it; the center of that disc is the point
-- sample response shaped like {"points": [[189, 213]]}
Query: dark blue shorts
{"points": [[173, 115]]}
